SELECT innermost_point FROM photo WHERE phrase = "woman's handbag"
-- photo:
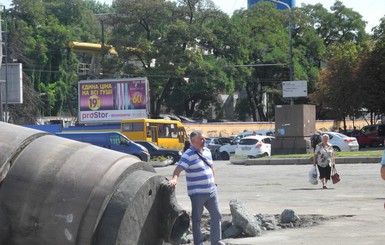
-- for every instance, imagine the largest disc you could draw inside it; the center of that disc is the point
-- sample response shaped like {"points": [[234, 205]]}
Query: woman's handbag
{"points": [[335, 176]]}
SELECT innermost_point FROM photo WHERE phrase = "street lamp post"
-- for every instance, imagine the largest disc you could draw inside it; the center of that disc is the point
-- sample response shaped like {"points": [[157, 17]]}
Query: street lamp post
{"points": [[290, 44]]}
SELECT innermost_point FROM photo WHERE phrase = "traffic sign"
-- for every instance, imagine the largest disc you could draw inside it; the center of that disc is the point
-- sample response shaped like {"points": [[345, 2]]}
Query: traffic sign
{"points": [[294, 88]]}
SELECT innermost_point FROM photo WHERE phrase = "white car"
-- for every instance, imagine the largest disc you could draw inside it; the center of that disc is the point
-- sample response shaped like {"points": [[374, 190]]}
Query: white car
{"points": [[225, 151], [342, 142], [254, 146]]}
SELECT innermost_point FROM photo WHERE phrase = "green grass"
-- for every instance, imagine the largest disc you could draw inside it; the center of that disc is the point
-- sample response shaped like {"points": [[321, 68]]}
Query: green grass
{"points": [[377, 153]]}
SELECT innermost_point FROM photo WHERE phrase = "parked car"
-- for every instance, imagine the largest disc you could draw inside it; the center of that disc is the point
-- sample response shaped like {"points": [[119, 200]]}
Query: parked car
{"points": [[156, 151], [215, 143], [254, 146], [265, 132], [368, 141], [111, 140], [342, 142], [371, 135], [225, 151], [374, 130]]}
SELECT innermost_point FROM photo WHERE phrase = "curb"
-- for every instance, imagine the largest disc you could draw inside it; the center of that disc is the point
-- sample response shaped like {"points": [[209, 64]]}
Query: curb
{"points": [[306, 161]]}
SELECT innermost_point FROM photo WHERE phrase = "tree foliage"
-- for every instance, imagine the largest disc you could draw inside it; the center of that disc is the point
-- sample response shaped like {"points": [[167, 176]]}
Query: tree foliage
{"points": [[180, 39], [39, 36], [372, 75], [341, 25], [339, 87], [191, 52]]}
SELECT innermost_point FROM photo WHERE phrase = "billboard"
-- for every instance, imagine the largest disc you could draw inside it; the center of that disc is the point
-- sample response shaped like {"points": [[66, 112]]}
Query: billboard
{"points": [[110, 101]]}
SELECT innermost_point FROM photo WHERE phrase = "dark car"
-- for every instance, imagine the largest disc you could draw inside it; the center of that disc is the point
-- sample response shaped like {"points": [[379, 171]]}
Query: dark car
{"points": [[156, 151]]}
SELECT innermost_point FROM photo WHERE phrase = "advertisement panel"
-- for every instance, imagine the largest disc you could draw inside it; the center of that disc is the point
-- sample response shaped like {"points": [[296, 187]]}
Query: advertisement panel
{"points": [[110, 101]]}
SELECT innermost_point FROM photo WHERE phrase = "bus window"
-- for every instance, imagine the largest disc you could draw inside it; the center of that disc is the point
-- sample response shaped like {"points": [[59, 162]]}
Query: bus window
{"points": [[173, 131], [154, 134], [181, 135], [132, 126], [161, 131], [161, 128], [164, 130]]}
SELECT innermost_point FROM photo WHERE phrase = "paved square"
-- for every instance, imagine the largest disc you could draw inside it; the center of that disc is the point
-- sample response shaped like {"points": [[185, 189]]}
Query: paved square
{"points": [[271, 189]]}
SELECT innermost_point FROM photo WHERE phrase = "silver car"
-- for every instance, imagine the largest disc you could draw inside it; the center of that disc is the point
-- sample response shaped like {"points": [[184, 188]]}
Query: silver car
{"points": [[342, 142], [214, 144]]}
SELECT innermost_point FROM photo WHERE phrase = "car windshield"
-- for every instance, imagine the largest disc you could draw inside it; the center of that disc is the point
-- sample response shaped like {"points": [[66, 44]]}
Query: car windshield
{"points": [[207, 141], [248, 141], [236, 139]]}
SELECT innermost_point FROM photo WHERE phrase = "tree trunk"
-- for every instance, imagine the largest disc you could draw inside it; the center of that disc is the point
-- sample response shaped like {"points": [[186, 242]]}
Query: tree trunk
{"points": [[251, 102], [258, 101], [166, 92], [189, 106]]}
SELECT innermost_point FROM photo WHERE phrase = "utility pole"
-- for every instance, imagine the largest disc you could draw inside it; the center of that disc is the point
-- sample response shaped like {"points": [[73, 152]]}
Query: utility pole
{"points": [[1, 61], [290, 44]]}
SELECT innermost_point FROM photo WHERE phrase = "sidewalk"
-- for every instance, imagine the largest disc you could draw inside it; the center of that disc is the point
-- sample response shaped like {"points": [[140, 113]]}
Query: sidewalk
{"points": [[269, 189]]}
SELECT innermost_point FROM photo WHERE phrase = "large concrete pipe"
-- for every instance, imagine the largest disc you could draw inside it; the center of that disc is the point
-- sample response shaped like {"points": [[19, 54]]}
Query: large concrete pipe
{"points": [[58, 191]]}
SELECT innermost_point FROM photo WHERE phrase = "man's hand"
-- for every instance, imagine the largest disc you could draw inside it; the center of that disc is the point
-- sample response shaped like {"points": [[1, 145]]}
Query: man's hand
{"points": [[172, 183]]}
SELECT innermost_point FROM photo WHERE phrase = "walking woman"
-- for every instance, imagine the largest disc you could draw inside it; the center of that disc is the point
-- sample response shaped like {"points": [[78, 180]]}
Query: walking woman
{"points": [[383, 166], [324, 158]]}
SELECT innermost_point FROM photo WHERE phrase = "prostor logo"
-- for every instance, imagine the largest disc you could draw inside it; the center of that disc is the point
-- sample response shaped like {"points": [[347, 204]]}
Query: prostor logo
{"points": [[94, 115]]}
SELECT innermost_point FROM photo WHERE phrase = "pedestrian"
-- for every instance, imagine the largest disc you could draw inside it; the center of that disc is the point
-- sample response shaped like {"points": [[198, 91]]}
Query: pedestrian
{"points": [[315, 139], [324, 159], [200, 178], [382, 170]]}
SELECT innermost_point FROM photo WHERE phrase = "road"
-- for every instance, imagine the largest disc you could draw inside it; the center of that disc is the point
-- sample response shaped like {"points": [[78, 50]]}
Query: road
{"points": [[271, 189]]}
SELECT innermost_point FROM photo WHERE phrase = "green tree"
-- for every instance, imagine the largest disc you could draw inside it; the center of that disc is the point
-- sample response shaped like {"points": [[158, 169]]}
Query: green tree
{"points": [[339, 85], [169, 42], [372, 75], [341, 25], [310, 49], [261, 39], [39, 36], [337, 29]]}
